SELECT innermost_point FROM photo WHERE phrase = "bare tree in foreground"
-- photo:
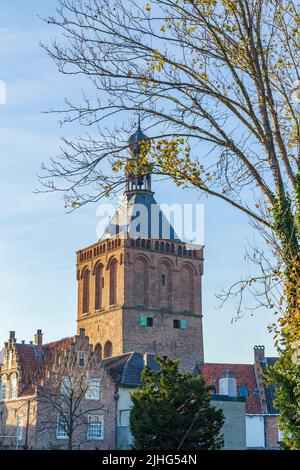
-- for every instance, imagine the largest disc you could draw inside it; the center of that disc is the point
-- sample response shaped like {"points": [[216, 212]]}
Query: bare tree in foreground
{"points": [[67, 397], [214, 80]]}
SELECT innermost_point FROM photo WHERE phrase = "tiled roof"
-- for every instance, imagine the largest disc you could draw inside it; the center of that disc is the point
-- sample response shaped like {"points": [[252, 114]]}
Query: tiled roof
{"points": [[33, 364], [245, 377]]}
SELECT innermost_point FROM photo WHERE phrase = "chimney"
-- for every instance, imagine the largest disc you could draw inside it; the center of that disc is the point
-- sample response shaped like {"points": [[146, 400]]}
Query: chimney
{"points": [[12, 335], [259, 354], [227, 384], [38, 340]]}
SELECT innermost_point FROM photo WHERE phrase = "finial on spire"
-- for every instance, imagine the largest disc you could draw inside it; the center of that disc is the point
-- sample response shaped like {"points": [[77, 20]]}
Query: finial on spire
{"points": [[136, 139]]}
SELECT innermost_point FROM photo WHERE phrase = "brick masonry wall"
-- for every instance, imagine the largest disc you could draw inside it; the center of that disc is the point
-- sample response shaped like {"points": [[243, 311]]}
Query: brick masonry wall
{"points": [[106, 407], [10, 410], [271, 431], [179, 297]]}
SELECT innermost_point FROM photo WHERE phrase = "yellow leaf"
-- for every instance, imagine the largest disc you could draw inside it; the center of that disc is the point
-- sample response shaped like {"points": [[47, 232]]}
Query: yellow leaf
{"points": [[148, 7]]}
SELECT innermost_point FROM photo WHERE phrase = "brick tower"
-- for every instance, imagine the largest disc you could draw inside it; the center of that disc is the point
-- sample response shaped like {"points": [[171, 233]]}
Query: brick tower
{"points": [[139, 286]]}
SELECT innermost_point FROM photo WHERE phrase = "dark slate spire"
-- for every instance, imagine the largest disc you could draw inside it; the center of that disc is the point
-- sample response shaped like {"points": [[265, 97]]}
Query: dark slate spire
{"points": [[139, 215]]}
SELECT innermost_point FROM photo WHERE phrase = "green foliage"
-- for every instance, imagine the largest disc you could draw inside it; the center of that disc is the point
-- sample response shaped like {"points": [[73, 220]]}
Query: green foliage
{"points": [[284, 226], [172, 410], [285, 375]]}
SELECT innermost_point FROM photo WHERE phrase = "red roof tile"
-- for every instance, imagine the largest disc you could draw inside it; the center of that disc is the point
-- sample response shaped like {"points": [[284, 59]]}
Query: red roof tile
{"points": [[33, 365], [245, 376]]}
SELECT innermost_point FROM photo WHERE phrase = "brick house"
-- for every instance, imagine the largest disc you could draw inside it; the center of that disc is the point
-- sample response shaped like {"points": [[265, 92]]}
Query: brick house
{"points": [[247, 381], [30, 416]]}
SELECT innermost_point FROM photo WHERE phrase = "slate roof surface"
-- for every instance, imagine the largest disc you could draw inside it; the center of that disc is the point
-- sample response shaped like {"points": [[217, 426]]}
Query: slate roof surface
{"points": [[126, 369], [245, 377], [128, 218]]}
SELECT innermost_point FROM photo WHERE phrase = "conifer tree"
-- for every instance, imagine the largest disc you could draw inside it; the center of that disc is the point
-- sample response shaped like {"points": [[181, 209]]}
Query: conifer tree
{"points": [[172, 411]]}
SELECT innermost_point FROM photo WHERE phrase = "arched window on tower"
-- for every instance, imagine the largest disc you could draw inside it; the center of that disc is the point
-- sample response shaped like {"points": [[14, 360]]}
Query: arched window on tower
{"points": [[108, 349], [140, 281], [165, 284], [187, 288], [86, 291], [113, 282], [98, 286]]}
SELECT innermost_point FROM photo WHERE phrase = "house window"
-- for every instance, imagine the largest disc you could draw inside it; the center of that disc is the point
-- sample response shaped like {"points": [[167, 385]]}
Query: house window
{"points": [[66, 387], [93, 389], [243, 391], [81, 358], [13, 387], [61, 428], [2, 390], [179, 324], [146, 321], [95, 429], [19, 428]]}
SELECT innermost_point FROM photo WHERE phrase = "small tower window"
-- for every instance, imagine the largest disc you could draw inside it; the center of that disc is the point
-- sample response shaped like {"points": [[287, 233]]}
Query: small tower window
{"points": [[163, 279], [146, 321], [179, 324], [156, 245]]}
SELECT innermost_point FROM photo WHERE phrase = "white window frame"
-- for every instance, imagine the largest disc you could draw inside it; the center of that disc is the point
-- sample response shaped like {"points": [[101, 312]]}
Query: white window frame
{"points": [[13, 383], [3, 388], [93, 389], [60, 430], [81, 355], [19, 428], [66, 386], [95, 427]]}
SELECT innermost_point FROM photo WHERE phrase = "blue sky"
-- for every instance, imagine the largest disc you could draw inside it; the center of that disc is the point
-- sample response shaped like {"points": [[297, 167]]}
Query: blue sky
{"points": [[38, 240]]}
